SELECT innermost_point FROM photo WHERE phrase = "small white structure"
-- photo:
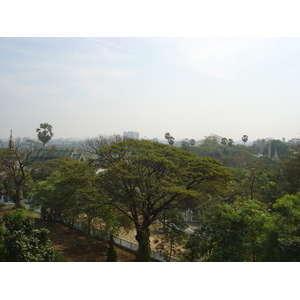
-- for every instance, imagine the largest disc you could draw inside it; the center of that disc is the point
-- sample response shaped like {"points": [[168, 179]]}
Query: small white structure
{"points": [[189, 215]]}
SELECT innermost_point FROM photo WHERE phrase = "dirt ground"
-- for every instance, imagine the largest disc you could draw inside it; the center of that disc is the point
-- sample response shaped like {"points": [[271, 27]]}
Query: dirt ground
{"points": [[76, 247]]}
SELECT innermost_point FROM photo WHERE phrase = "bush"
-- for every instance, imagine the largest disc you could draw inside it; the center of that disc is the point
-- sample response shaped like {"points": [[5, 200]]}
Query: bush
{"points": [[20, 242]]}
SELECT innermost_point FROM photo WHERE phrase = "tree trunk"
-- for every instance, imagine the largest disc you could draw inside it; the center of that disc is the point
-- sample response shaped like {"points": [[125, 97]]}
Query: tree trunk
{"points": [[89, 221], [18, 198], [144, 252], [171, 250]]}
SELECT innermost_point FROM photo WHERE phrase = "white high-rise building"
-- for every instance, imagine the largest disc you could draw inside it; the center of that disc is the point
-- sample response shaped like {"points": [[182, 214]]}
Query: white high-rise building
{"points": [[132, 135]]}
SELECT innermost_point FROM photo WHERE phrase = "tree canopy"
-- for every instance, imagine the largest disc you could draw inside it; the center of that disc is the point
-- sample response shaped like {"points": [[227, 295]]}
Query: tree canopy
{"points": [[71, 192], [142, 179]]}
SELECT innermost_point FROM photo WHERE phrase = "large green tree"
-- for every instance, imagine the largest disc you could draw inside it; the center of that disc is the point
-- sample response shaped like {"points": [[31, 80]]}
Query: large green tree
{"points": [[283, 231], [229, 232], [210, 147], [71, 192], [144, 179]]}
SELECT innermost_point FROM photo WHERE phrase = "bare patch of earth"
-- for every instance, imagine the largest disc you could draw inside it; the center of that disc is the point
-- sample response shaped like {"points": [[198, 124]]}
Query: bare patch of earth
{"points": [[77, 247]]}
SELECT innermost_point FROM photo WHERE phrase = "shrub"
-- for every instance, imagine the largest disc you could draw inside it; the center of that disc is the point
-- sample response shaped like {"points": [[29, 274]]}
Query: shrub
{"points": [[21, 242]]}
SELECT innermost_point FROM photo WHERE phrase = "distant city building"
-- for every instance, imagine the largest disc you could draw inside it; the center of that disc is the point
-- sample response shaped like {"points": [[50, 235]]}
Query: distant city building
{"points": [[132, 135]]}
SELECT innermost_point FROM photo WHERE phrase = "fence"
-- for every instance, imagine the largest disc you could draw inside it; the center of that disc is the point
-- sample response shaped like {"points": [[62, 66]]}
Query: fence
{"points": [[97, 233]]}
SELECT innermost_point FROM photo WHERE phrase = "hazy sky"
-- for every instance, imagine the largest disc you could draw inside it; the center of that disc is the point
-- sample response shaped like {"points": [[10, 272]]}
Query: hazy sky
{"points": [[190, 87]]}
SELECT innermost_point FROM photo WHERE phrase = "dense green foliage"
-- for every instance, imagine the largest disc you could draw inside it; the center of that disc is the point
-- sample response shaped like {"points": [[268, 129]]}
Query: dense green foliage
{"points": [[229, 232], [20, 242], [71, 192], [247, 231], [260, 222], [246, 198], [144, 179], [283, 231]]}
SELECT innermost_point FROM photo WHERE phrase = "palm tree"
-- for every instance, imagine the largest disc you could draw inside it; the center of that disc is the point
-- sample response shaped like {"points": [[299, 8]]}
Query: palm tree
{"points": [[169, 138], [44, 133], [245, 138], [167, 135], [224, 141], [171, 141], [192, 142]]}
